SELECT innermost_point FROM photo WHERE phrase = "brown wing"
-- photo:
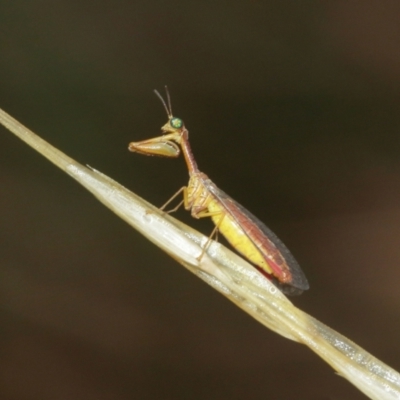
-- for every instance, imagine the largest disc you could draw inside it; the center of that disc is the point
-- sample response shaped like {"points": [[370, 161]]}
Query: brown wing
{"points": [[263, 238]]}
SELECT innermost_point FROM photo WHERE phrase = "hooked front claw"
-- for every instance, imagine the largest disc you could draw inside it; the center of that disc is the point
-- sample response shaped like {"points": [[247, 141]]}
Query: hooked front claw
{"points": [[155, 147]]}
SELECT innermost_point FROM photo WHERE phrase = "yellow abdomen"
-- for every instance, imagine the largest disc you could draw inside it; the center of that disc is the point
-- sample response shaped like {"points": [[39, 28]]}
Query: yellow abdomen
{"points": [[236, 236]]}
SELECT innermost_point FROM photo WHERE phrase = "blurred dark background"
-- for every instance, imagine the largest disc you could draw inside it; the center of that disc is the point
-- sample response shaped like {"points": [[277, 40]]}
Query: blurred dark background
{"points": [[293, 109]]}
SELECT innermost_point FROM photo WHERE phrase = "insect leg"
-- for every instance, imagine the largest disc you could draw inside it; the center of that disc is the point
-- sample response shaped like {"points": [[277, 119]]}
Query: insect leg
{"points": [[214, 232], [184, 201]]}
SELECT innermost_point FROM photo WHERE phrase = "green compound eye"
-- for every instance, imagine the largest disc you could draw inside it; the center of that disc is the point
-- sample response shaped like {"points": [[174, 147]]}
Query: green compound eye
{"points": [[176, 123]]}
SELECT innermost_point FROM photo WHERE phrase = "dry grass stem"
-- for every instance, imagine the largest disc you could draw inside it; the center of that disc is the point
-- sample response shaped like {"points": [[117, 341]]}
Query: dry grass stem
{"points": [[226, 272]]}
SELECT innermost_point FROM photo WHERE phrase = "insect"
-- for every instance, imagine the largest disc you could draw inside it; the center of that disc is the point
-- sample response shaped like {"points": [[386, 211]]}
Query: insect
{"points": [[246, 233]]}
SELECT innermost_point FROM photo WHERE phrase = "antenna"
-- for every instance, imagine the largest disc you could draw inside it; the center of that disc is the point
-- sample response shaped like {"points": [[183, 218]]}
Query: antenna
{"points": [[169, 99], [168, 108]]}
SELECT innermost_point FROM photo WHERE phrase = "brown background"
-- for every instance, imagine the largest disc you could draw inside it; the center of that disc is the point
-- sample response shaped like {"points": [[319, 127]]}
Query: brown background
{"points": [[293, 109]]}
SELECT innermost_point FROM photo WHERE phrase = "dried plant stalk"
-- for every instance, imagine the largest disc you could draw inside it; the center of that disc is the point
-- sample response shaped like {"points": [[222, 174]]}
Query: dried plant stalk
{"points": [[226, 272]]}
